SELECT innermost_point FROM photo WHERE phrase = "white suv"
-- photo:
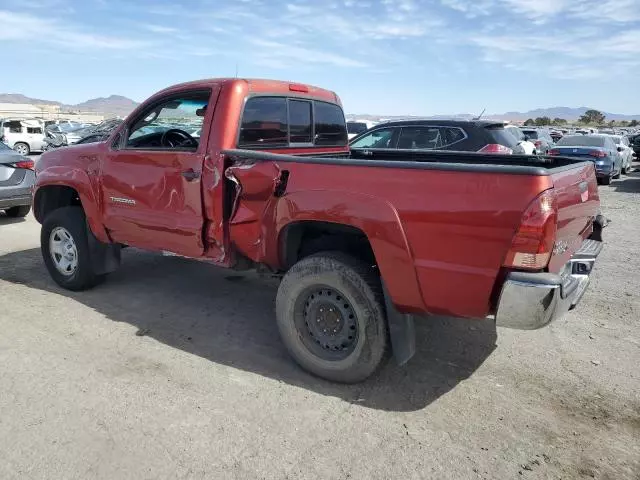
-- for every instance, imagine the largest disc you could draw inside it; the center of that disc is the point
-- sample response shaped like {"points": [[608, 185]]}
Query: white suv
{"points": [[24, 136]]}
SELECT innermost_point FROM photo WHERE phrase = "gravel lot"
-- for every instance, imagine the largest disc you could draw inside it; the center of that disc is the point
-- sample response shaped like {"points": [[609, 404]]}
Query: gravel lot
{"points": [[174, 369]]}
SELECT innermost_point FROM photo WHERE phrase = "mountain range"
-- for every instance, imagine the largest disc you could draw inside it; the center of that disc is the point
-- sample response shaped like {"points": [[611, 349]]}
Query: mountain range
{"points": [[111, 106], [117, 105]]}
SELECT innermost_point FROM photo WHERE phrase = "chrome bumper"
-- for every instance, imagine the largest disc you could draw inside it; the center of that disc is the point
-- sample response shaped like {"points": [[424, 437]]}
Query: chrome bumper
{"points": [[533, 300]]}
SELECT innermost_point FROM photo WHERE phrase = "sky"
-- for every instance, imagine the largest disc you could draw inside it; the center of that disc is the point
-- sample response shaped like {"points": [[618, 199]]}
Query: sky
{"points": [[389, 57]]}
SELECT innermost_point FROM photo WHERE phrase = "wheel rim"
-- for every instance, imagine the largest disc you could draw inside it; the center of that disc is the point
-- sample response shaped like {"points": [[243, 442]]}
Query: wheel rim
{"points": [[63, 250], [21, 149], [329, 325]]}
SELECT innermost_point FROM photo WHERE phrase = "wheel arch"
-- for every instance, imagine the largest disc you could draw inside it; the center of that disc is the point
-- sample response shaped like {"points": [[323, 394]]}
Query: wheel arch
{"points": [[364, 221], [64, 189]]}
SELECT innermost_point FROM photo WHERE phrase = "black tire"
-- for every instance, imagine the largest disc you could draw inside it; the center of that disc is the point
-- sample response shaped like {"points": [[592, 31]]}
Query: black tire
{"points": [[355, 284], [606, 181], [624, 171], [16, 212], [73, 220]]}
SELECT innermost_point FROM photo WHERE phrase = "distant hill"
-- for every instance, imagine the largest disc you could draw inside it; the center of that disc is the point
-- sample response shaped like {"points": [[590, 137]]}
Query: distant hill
{"points": [[567, 113], [19, 98], [112, 106]]}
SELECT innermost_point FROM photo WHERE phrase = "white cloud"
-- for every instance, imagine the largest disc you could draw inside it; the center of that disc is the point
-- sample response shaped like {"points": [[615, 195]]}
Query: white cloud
{"points": [[159, 28], [619, 11], [290, 54], [470, 9], [538, 10], [20, 26]]}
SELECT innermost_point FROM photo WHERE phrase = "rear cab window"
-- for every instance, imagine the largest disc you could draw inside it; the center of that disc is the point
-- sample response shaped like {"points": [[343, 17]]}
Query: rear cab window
{"points": [[287, 122], [531, 134]]}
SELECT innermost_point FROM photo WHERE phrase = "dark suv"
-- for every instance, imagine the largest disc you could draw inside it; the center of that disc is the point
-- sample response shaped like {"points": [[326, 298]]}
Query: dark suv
{"points": [[458, 135], [541, 138]]}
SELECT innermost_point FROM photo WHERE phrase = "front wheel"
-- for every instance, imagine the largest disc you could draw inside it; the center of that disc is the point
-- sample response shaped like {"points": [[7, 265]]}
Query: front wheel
{"points": [[331, 317], [606, 181], [65, 249]]}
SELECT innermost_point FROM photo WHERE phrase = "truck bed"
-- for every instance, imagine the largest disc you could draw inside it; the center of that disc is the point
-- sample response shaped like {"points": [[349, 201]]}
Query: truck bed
{"points": [[442, 230], [424, 159]]}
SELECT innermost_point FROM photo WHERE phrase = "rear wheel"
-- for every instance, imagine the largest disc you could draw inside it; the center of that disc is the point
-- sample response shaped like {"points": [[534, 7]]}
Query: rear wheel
{"points": [[331, 317], [16, 212], [22, 148], [65, 249]]}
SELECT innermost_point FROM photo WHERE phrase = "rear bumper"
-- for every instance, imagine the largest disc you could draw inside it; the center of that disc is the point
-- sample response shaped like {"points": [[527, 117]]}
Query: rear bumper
{"points": [[532, 300], [17, 201]]}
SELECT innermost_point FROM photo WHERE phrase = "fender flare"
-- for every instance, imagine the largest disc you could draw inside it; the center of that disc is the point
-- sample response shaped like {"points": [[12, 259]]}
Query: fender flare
{"points": [[376, 218], [80, 181]]}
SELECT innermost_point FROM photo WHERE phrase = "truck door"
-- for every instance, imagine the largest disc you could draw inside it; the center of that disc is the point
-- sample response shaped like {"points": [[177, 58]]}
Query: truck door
{"points": [[151, 175]]}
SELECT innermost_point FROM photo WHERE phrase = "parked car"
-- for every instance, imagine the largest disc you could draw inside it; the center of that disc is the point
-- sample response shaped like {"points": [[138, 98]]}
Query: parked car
{"points": [[635, 144], [600, 149], [482, 136], [16, 182], [361, 244], [70, 131], [625, 151], [541, 138], [524, 146], [22, 135], [556, 134]]}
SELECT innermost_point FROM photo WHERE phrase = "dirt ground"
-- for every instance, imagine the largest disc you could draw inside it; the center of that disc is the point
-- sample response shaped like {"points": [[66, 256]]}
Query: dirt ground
{"points": [[174, 369]]}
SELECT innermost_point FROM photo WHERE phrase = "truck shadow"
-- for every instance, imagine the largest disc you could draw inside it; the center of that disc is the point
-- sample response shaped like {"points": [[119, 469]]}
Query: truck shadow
{"points": [[630, 184], [5, 220], [228, 318]]}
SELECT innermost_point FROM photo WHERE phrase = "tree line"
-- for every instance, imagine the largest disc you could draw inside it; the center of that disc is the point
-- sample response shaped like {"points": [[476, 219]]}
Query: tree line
{"points": [[590, 117]]}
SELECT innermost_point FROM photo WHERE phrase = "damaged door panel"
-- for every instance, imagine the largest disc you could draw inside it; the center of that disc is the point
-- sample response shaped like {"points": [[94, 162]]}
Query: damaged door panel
{"points": [[257, 186]]}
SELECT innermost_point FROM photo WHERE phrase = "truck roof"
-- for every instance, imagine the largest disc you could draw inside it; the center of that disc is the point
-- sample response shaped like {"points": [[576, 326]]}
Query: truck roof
{"points": [[257, 85]]}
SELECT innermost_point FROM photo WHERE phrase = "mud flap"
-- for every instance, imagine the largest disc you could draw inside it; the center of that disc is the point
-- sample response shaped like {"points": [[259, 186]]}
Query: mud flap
{"points": [[105, 257], [402, 331]]}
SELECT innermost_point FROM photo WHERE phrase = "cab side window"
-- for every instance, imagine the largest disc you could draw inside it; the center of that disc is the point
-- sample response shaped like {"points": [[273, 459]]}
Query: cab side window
{"points": [[174, 123]]}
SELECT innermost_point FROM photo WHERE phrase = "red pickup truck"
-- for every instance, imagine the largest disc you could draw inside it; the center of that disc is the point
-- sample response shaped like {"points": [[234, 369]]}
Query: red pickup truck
{"points": [[258, 174]]}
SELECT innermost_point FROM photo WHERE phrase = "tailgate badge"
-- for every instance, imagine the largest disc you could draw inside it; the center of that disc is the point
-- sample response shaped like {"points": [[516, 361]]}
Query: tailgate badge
{"points": [[584, 191]]}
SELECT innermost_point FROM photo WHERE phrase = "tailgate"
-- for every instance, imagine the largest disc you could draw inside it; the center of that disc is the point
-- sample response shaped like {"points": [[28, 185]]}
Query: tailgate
{"points": [[576, 191]]}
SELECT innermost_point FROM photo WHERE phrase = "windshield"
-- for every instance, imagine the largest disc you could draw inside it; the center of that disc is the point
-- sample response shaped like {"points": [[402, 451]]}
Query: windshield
{"points": [[581, 141], [4, 146]]}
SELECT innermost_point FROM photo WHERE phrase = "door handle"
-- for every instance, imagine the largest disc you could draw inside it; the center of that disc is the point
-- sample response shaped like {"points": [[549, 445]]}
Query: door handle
{"points": [[190, 175]]}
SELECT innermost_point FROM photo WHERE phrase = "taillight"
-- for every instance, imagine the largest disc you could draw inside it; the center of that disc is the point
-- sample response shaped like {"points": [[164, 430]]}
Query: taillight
{"points": [[553, 151], [26, 164], [298, 87], [532, 245], [496, 148], [597, 153], [537, 143]]}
